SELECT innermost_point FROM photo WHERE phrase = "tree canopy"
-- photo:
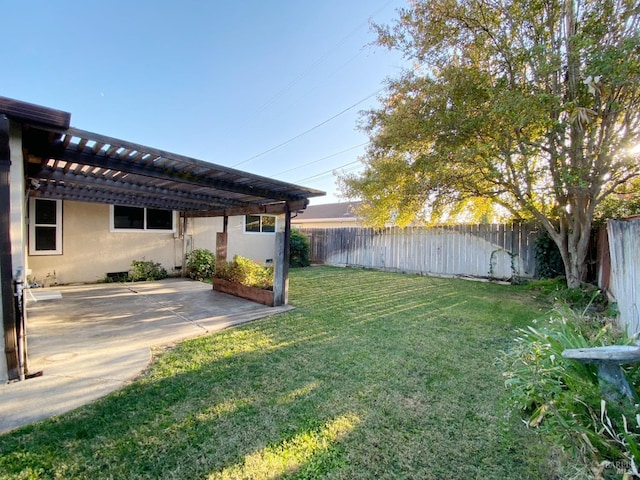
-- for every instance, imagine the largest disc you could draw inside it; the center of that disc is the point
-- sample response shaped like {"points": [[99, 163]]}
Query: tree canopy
{"points": [[529, 105]]}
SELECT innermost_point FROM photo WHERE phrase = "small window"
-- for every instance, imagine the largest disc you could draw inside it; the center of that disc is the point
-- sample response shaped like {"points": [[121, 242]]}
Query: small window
{"points": [[128, 217], [45, 227], [139, 218], [268, 224], [159, 219], [259, 224]]}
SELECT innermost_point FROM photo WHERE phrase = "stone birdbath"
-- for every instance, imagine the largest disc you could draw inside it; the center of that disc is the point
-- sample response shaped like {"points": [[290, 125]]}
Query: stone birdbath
{"points": [[609, 360]]}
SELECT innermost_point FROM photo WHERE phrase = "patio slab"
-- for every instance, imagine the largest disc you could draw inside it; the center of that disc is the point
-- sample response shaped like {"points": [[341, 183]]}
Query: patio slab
{"points": [[93, 339]]}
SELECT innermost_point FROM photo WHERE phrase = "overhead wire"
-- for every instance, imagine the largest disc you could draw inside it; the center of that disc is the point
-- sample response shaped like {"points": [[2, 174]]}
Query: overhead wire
{"points": [[318, 61], [319, 160], [309, 130], [303, 74], [327, 172]]}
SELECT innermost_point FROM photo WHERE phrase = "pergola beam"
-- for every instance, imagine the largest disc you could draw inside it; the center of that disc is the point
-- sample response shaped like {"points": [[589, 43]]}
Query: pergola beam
{"points": [[69, 162], [84, 194], [105, 181], [270, 208], [87, 157], [34, 113]]}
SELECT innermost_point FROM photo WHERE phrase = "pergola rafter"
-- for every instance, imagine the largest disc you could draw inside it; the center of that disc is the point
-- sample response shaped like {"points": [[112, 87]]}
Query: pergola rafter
{"points": [[64, 162], [104, 180]]}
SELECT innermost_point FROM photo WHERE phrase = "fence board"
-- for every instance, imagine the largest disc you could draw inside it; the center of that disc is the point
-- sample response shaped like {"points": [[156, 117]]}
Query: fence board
{"points": [[485, 251], [624, 283]]}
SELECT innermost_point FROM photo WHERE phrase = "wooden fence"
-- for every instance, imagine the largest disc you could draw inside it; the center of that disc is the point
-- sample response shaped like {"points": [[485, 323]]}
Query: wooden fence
{"points": [[484, 251], [624, 281]]}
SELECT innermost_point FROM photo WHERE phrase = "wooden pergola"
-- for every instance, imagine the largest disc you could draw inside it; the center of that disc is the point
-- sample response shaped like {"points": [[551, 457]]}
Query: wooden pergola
{"points": [[66, 163], [73, 164]]}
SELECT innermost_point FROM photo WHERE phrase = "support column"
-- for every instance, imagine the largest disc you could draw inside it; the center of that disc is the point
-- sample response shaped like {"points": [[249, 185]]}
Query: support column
{"points": [[184, 221], [281, 267], [221, 248], [11, 353], [221, 243]]}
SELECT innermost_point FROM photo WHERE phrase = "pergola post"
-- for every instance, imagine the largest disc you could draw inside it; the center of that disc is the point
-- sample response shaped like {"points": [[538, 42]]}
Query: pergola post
{"points": [[185, 222], [221, 243], [6, 264], [281, 267]]}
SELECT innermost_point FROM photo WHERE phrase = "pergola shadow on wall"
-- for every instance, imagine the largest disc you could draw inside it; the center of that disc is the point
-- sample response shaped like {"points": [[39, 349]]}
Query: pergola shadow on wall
{"points": [[65, 163]]}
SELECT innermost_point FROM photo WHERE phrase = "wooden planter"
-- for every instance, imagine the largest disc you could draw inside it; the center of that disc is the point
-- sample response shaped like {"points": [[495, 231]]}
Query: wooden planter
{"points": [[250, 293]]}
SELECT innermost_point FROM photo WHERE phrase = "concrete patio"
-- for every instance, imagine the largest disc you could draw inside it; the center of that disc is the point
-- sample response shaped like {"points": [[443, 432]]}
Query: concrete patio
{"points": [[93, 339]]}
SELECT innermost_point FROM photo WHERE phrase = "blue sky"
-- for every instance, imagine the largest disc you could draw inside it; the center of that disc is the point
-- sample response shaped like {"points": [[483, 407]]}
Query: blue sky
{"points": [[219, 81]]}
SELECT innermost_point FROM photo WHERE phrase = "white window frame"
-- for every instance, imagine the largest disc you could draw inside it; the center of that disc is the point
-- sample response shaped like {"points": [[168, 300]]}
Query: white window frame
{"points": [[33, 225], [244, 224], [113, 229]]}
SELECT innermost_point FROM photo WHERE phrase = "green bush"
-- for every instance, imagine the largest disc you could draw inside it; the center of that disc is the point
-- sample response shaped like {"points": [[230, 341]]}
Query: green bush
{"points": [[548, 259], [142, 270], [299, 250], [563, 398], [584, 298], [246, 272], [201, 264]]}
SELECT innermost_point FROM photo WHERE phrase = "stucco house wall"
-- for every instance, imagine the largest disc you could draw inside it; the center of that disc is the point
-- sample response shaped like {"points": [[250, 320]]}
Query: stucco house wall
{"points": [[91, 249], [260, 247], [201, 232], [18, 224]]}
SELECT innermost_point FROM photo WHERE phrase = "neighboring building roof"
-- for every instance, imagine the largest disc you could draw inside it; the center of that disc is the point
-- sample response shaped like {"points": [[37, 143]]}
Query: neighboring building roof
{"points": [[71, 164], [330, 212]]}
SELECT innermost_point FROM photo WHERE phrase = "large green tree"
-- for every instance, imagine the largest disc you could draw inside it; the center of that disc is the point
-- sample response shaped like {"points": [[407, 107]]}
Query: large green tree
{"points": [[533, 105]]}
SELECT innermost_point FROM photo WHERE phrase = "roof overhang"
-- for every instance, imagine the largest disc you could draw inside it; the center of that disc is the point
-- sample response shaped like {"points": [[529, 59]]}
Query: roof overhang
{"points": [[67, 163], [35, 114]]}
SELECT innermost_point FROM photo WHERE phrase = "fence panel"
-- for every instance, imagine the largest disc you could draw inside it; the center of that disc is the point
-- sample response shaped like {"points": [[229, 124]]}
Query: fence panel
{"points": [[624, 283], [486, 251]]}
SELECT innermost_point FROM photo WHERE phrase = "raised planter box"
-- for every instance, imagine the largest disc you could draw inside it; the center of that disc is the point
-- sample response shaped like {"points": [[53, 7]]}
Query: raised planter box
{"points": [[250, 293]]}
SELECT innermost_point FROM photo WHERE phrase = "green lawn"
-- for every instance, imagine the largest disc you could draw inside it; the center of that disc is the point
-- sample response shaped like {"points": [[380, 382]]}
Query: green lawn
{"points": [[373, 375]]}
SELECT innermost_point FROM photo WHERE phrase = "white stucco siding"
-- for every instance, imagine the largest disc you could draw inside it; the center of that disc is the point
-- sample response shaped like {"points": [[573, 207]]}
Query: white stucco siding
{"points": [[259, 247], [202, 232], [16, 178], [90, 249]]}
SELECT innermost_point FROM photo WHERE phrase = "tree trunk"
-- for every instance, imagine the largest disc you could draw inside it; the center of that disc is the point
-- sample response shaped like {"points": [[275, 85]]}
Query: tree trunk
{"points": [[572, 240], [576, 271]]}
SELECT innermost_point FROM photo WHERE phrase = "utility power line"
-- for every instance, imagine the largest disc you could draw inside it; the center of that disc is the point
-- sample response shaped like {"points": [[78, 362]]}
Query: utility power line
{"points": [[320, 59], [319, 160], [309, 130], [327, 172]]}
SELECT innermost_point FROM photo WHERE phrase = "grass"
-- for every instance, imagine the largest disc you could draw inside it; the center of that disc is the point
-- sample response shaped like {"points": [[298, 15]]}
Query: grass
{"points": [[373, 375]]}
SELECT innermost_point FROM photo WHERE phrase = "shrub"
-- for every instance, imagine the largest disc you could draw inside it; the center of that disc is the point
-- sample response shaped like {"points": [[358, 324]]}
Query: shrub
{"points": [[201, 264], [586, 297], [299, 250], [548, 259], [142, 270], [246, 272], [563, 398]]}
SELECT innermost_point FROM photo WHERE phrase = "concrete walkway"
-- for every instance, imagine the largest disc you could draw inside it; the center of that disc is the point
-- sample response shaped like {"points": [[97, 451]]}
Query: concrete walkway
{"points": [[97, 338]]}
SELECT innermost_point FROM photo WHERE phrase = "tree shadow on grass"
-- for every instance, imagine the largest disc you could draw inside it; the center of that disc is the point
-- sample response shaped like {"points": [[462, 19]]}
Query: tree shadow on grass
{"points": [[202, 419], [351, 386]]}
